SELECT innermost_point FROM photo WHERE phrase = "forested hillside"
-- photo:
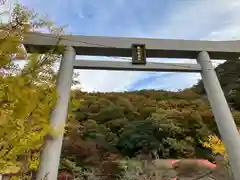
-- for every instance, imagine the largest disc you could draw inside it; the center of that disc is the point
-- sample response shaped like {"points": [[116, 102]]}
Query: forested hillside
{"points": [[229, 77], [147, 122]]}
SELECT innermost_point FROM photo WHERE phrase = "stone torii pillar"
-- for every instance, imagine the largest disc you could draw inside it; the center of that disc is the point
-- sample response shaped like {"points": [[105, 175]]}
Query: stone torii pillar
{"points": [[50, 156], [222, 114]]}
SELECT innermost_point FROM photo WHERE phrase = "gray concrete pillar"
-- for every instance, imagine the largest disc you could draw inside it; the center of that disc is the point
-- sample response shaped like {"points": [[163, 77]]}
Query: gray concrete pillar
{"points": [[50, 155], [222, 114]]}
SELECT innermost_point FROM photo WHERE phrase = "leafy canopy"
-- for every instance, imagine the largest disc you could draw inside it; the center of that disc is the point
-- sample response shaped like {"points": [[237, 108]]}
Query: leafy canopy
{"points": [[27, 95]]}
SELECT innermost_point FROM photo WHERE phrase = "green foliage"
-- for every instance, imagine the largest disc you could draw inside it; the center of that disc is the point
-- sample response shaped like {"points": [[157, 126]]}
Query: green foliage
{"points": [[228, 74], [138, 137], [144, 122]]}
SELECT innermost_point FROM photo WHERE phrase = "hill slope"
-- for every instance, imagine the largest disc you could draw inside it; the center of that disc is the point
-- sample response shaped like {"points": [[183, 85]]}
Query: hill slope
{"points": [[141, 123], [229, 77], [104, 127], [138, 124]]}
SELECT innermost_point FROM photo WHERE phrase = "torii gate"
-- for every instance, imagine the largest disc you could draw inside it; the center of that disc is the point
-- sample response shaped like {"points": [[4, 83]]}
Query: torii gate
{"points": [[122, 47]]}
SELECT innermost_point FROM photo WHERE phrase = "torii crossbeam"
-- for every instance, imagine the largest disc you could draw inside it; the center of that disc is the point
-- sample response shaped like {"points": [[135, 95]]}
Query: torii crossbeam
{"points": [[155, 48], [115, 46]]}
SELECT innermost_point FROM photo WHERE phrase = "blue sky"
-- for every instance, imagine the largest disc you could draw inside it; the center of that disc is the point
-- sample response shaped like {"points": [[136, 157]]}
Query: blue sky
{"points": [[174, 19]]}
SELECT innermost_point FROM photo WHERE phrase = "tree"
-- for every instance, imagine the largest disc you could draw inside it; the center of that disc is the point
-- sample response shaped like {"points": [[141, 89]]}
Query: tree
{"points": [[215, 144], [146, 121], [26, 95]]}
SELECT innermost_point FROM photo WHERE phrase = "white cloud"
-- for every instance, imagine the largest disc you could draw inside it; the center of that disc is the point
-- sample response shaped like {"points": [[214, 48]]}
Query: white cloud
{"points": [[203, 19], [198, 19], [106, 81]]}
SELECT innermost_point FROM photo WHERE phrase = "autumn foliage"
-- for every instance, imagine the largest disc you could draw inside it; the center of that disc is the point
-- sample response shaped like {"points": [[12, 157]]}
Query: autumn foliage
{"points": [[27, 96]]}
